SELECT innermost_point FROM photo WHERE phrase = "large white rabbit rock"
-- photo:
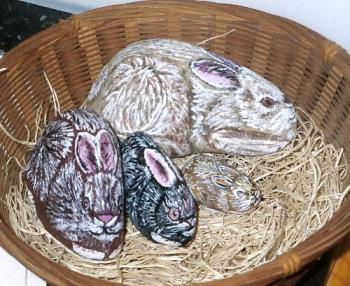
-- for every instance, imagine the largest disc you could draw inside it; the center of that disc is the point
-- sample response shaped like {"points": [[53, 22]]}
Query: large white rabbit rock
{"points": [[191, 100]]}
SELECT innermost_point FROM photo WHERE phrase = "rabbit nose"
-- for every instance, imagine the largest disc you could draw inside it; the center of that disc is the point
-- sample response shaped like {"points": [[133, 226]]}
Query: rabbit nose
{"points": [[105, 218]]}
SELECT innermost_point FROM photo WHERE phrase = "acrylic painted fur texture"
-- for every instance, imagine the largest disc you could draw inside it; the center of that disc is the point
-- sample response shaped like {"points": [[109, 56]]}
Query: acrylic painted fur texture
{"points": [[190, 100], [74, 175], [158, 200], [220, 186]]}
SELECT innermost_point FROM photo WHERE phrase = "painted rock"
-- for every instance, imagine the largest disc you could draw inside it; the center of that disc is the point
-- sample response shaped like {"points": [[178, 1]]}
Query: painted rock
{"points": [[74, 174], [191, 101], [158, 200], [220, 186]]}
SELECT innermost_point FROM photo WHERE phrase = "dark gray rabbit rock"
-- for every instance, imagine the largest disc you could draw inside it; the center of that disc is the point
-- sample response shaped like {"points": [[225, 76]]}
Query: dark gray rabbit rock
{"points": [[74, 175], [158, 200], [192, 101]]}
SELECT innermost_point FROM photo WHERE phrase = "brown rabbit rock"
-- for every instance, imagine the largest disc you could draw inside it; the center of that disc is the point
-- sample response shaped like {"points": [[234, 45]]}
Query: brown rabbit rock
{"points": [[219, 186], [74, 175], [190, 100]]}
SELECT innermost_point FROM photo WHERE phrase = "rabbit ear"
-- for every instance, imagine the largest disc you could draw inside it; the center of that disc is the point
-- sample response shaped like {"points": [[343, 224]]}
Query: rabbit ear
{"points": [[107, 151], [86, 153], [221, 181], [159, 168], [216, 74], [231, 172]]}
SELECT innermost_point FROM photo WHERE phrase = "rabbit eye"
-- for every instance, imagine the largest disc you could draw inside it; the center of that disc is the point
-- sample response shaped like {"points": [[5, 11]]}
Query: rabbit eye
{"points": [[86, 203], [268, 102], [174, 214], [240, 194]]}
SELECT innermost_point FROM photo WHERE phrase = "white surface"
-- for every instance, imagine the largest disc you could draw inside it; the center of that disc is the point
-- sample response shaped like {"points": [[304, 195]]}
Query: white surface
{"points": [[33, 280], [12, 273], [329, 18]]}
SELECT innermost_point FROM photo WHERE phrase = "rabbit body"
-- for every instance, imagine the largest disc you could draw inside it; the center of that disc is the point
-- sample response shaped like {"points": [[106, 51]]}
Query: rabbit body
{"points": [[158, 200], [191, 100], [219, 186], [74, 176]]}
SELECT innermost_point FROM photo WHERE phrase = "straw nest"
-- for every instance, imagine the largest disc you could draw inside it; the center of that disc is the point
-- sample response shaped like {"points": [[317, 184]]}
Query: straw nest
{"points": [[302, 188]]}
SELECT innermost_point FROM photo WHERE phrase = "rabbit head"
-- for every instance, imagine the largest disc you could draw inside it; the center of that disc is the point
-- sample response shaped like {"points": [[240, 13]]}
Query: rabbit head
{"points": [[243, 192], [220, 186], [83, 205], [157, 198], [246, 114]]}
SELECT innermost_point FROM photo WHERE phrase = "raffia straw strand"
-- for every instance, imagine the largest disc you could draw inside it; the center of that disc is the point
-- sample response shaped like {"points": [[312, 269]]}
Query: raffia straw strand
{"points": [[54, 97], [8, 134], [215, 37]]}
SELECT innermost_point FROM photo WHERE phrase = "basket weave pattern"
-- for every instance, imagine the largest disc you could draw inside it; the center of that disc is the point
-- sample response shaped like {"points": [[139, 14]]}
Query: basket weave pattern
{"points": [[311, 70]]}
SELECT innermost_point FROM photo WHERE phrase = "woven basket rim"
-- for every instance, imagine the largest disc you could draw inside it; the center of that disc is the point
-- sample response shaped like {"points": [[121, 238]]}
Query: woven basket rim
{"points": [[332, 51], [300, 256]]}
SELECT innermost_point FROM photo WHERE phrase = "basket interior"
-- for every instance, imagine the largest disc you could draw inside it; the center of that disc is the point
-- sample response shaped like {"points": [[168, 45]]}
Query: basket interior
{"points": [[311, 70]]}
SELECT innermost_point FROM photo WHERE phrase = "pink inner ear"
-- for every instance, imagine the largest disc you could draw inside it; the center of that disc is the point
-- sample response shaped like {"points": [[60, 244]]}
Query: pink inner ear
{"points": [[108, 153], [204, 70], [159, 168], [86, 154]]}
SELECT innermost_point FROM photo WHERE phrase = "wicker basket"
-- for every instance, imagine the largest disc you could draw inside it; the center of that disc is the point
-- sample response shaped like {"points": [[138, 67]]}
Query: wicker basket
{"points": [[314, 72]]}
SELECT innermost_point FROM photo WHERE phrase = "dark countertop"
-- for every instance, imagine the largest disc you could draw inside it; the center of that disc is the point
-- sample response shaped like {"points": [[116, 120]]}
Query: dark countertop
{"points": [[20, 20]]}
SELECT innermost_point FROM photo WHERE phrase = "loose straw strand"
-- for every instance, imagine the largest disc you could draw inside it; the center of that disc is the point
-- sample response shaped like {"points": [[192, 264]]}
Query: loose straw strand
{"points": [[8, 134], [215, 37]]}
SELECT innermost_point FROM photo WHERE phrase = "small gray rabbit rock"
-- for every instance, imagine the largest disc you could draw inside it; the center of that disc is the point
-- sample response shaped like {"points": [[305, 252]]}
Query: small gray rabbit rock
{"points": [[158, 200], [74, 175], [219, 186], [191, 101]]}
